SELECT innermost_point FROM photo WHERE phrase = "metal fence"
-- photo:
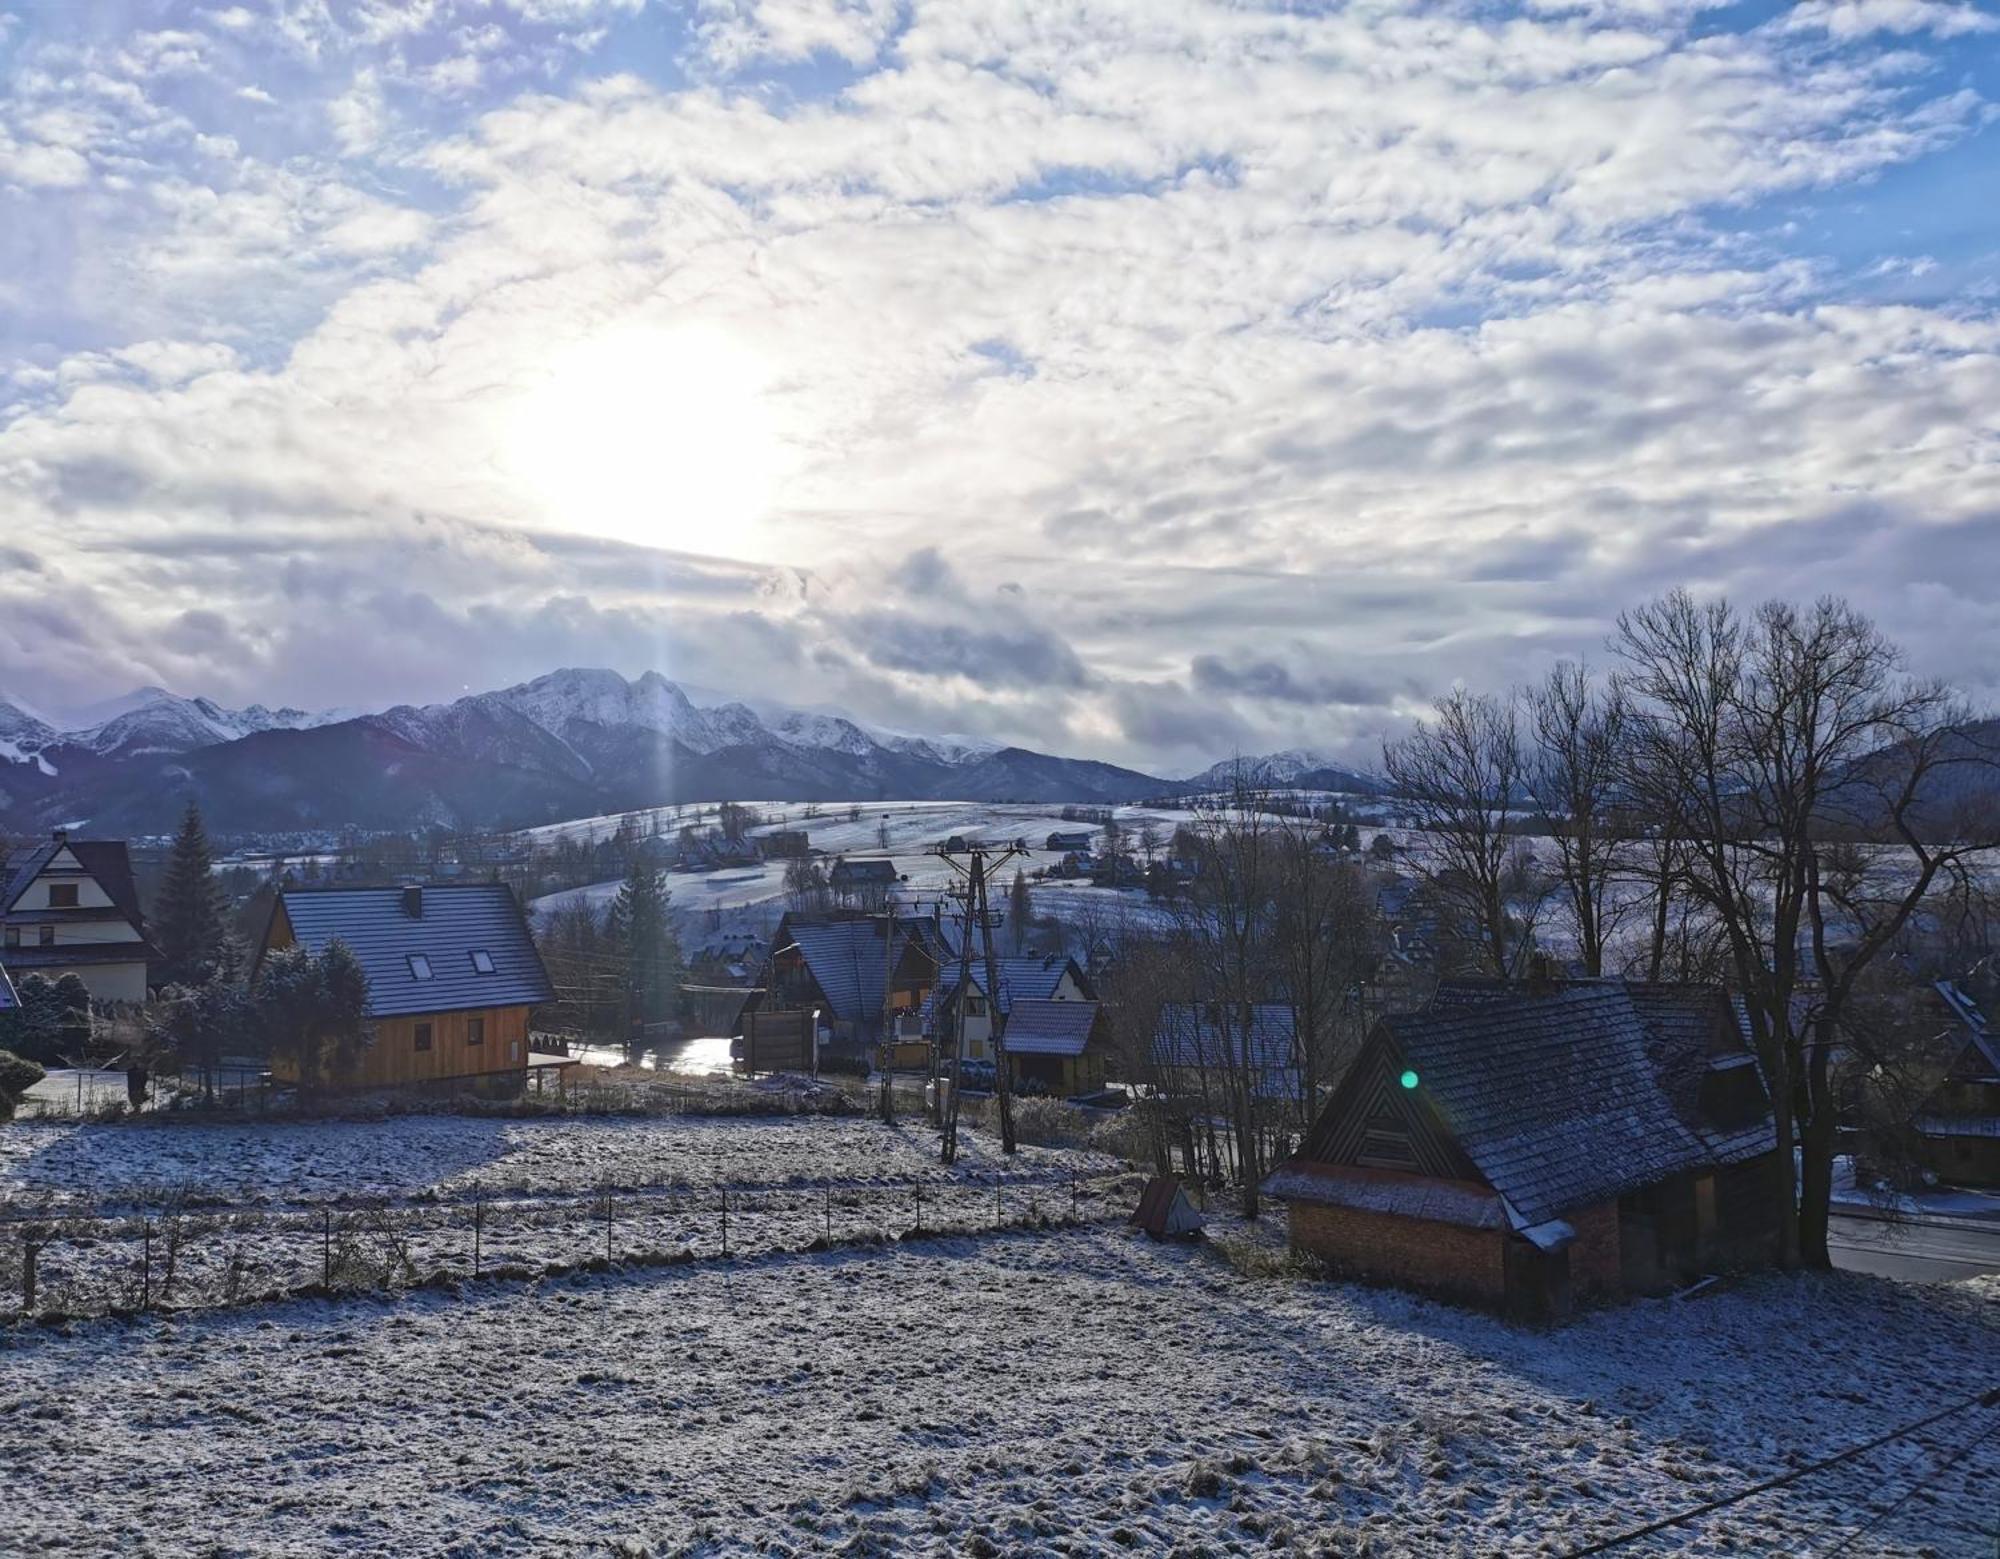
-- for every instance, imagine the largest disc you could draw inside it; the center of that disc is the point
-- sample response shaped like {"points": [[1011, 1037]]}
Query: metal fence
{"points": [[60, 1258]]}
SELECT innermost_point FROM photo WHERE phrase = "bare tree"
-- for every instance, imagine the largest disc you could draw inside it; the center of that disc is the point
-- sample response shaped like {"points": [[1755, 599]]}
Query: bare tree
{"points": [[1574, 772], [1322, 937], [1761, 743], [1463, 777]]}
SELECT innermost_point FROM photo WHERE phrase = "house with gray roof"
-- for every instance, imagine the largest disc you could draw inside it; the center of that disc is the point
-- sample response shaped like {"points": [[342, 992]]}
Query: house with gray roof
{"points": [[1958, 1125], [1024, 977], [453, 978], [1519, 1146], [70, 906], [1197, 1046], [838, 965], [1055, 1047]]}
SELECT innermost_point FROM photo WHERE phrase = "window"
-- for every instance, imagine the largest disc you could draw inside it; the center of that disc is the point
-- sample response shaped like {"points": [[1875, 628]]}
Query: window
{"points": [[48, 935], [475, 1031], [975, 1006], [13, 936], [62, 895], [482, 961], [423, 1036], [420, 967]]}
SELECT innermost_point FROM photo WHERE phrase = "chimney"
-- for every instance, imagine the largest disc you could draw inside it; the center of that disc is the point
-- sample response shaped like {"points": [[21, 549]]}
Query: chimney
{"points": [[413, 901], [60, 835], [1541, 975]]}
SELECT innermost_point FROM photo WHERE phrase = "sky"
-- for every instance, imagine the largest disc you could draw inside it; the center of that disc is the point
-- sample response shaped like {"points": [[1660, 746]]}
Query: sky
{"points": [[1139, 379]]}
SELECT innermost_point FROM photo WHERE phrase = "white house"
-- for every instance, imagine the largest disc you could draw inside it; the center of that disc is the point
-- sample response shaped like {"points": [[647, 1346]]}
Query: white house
{"points": [[71, 907], [1029, 978]]}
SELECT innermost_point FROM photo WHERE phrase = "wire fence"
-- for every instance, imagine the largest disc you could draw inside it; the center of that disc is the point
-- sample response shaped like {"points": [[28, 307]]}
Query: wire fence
{"points": [[60, 1260]]}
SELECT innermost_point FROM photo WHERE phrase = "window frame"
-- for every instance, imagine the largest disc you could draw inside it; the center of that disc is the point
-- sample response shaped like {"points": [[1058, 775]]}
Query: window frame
{"points": [[68, 890], [11, 937], [420, 966], [475, 1031], [477, 955], [46, 936], [421, 1037]]}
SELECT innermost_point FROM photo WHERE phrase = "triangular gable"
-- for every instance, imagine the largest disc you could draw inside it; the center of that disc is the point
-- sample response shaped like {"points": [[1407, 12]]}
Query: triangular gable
{"points": [[1374, 1122]]}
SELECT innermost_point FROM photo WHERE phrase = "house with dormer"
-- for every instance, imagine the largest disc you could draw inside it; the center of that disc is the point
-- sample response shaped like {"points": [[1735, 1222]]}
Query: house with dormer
{"points": [[70, 906]]}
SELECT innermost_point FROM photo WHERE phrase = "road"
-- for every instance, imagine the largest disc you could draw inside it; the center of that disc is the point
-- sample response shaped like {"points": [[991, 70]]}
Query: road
{"points": [[1914, 1250]]}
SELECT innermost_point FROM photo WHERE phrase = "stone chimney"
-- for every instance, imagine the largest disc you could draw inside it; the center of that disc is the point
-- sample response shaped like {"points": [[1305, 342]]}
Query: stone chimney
{"points": [[413, 901]]}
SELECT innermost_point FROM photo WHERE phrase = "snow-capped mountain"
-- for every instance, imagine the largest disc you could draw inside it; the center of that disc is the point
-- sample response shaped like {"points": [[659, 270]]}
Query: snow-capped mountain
{"points": [[571, 743], [155, 721], [1294, 769], [24, 736]]}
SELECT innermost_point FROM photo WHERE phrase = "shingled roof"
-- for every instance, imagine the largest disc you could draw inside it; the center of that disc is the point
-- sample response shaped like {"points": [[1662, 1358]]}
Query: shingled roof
{"points": [[107, 862], [1570, 1096], [453, 923], [1189, 1038], [1050, 1028]]}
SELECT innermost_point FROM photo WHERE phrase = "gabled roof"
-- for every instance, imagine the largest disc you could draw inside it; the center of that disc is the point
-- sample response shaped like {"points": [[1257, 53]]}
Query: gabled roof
{"points": [[1189, 1038], [1574, 1095], [105, 860], [1050, 1028], [1022, 978], [845, 956], [869, 870], [1972, 1018], [457, 920]]}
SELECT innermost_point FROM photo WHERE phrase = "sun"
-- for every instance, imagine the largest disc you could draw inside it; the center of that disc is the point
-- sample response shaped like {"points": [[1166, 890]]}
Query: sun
{"points": [[657, 435]]}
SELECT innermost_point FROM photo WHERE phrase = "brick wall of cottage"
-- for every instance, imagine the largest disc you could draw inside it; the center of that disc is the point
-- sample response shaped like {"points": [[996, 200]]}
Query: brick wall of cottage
{"points": [[1595, 1264], [1441, 1257]]}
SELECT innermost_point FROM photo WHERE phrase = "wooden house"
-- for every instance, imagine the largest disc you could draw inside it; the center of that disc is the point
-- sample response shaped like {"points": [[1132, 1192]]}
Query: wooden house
{"points": [[867, 882], [71, 907], [1958, 1126], [1517, 1147], [837, 965], [1056, 1047], [453, 976], [1070, 841], [1032, 977], [1198, 1045]]}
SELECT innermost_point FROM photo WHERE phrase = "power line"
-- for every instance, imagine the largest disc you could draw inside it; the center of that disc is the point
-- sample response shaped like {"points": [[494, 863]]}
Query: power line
{"points": [[1917, 1488], [1989, 1398]]}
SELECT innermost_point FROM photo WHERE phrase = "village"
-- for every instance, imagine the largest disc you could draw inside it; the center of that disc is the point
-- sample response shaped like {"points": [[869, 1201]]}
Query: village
{"points": [[1261, 1076]]}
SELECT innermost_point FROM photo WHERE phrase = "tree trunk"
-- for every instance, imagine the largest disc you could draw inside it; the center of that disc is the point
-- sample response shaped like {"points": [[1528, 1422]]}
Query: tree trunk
{"points": [[1817, 1139]]}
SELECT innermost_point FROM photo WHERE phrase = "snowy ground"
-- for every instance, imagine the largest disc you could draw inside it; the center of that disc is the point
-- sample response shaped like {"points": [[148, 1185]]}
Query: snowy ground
{"points": [[260, 1209], [1081, 1392]]}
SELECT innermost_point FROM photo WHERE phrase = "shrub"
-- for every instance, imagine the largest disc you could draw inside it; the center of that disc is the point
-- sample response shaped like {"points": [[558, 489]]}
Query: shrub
{"points": [[17, 1076]]}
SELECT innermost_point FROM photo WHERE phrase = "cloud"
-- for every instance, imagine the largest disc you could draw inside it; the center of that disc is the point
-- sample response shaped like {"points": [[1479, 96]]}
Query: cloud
{"points": [[1147, 380]]}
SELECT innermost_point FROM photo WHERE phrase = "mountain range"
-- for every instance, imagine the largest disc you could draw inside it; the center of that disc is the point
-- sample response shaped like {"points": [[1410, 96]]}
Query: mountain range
{"points": [[569, 744]]}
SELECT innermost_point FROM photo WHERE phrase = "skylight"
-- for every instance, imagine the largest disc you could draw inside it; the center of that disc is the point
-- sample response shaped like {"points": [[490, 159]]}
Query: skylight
{"points": [[420, 966], [482, 961]]}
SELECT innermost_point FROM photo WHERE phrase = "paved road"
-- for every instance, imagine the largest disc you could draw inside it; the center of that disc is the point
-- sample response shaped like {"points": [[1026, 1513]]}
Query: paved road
{"points": [[1913, 1250]]}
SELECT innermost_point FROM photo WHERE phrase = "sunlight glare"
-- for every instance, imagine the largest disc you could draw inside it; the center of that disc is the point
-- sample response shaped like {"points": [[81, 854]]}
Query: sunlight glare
{"points": [[660, 436]]}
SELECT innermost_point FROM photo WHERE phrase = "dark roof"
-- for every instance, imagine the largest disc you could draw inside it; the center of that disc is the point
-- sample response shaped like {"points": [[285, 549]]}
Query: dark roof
{"points": [[457, 920], [865, 871], [1024, 978], [846, 958], [105, 860], [1050, 1028], [8, 999], [1972, 1017], [1574, 1095], [1188, 1038]]}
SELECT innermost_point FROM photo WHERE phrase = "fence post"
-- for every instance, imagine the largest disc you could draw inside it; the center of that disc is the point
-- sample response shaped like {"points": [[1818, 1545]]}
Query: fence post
{"points": [[829, 1213], [146, 1266], [1072, 1195], [607, 1223], [326, 1247], [725, 1220], [478, 1226], [30, 1253], [920, 1207], [997, 1218]]}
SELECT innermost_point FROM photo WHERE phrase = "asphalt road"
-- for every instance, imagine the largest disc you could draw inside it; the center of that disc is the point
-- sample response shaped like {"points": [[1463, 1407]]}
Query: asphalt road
{"points": [[1914, 1250]]}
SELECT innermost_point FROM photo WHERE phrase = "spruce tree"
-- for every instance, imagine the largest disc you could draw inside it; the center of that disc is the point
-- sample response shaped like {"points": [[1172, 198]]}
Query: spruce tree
{"points": [[641, 927], [192, 915]]}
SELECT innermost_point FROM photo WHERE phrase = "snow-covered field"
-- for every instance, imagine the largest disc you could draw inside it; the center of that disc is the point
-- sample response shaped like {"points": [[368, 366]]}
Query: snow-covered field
{"points": [[261, 1209], [1080, 1392]]}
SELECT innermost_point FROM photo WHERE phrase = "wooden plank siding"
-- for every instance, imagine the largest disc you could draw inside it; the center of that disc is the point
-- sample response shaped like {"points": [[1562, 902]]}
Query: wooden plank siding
{"points": [[394, 1059]]}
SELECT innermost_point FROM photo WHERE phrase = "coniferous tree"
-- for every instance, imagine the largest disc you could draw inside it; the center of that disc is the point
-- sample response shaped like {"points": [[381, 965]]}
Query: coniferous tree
{"points": [[192, 916], [642, 929]]}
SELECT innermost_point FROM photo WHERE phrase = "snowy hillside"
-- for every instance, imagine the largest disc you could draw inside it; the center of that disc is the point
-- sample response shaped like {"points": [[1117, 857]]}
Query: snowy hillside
{"points": [[1296, 768]]}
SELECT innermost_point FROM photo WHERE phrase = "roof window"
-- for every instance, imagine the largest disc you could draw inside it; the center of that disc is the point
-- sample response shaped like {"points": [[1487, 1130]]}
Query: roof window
{"points": [[482, 961], [420, 967]]}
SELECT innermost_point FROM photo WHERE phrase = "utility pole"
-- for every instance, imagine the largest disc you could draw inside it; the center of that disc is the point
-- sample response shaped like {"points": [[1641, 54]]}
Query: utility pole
{"points": [[978, 917]]}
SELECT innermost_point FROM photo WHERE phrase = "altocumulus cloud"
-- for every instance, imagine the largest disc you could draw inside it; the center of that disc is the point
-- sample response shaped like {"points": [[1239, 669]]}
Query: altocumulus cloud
{"points": [[1163, 380]]}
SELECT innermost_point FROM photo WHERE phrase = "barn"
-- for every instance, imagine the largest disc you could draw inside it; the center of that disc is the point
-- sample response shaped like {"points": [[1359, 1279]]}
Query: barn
{"points": [[1524, 1147]]}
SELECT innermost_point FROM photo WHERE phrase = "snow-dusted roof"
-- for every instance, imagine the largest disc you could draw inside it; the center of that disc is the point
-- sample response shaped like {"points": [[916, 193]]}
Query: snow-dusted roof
{"points": [[1189, 1037], [1050, 1028], [1573, 1095], [430, 961], [1455, 1202]]}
